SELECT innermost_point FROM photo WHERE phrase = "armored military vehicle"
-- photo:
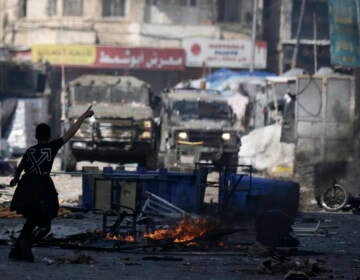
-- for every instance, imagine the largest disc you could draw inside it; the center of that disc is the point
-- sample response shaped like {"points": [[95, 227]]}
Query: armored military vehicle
{"points": [[123, 129], [197, 125]]}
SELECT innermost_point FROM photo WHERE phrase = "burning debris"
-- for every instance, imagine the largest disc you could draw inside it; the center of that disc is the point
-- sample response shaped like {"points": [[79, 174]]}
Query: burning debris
{"points": [[188, 230], [119, 237]]}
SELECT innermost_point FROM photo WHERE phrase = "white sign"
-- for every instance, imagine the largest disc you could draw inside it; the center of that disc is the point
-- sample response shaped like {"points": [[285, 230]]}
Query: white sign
{"points": [[223, 53]]}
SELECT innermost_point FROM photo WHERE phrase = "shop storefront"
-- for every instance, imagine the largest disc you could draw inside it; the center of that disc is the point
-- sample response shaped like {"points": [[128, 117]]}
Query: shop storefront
{"points": [[160, 67]]}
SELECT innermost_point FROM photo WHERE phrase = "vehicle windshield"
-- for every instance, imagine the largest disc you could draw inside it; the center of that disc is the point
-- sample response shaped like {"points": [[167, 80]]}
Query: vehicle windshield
{"points": [[88, 94], [202, 109]]}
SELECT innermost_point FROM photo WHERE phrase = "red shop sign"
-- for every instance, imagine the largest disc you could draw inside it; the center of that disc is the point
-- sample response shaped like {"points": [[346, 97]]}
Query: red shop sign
{"points": [[140, 58]]}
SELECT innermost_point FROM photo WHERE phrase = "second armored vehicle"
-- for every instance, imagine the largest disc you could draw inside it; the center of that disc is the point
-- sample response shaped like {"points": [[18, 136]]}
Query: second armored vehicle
{"points": [[197, 125]]}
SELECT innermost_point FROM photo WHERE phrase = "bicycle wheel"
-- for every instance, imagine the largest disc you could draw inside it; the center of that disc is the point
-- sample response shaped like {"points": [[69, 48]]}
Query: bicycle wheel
{"points": [[334, 198]]}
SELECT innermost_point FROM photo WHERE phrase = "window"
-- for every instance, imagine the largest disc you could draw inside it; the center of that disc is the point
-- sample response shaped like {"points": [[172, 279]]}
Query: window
{"points": [[317, 8], [22, 8], [229, 11], [113, 8], [52, 8], [73, 8]]}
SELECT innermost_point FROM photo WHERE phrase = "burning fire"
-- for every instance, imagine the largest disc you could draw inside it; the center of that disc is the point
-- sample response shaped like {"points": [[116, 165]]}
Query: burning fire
{"points": [[128, 238], [187, 230]]}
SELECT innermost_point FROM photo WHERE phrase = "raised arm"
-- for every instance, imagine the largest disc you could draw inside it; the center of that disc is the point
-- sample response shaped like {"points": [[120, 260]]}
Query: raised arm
{"points": [[76, 125]]}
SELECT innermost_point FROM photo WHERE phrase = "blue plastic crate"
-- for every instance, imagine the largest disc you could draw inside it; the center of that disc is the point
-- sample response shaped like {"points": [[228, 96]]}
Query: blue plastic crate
{"points": [[185, 190]]}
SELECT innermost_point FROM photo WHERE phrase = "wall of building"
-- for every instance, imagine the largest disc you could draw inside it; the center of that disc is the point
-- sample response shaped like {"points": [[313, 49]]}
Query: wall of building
{"points": [[271, 32], [281, 19], [180, 12], [176, 19], [38, 27]]}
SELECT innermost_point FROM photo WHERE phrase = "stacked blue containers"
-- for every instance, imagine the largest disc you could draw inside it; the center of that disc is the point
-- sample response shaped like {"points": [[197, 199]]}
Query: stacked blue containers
{"points": [[184, 190]]}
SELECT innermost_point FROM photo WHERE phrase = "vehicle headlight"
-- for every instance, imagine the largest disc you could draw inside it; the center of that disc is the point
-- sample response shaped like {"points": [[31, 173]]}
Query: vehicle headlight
{"points": [[147, 125], [145, 135], [226, 136], [79, 145], [182, 135]]}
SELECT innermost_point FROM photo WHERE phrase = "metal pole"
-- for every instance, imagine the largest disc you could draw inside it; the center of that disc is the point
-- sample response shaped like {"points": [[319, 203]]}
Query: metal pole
{"points": [[315, 39], [253, 35], [1, 127], [2, 21], [296, 49], [63, 93]]}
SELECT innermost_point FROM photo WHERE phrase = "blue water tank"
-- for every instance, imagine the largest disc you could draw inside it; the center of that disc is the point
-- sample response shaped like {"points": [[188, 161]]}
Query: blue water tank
{"points": [[253, 196]]}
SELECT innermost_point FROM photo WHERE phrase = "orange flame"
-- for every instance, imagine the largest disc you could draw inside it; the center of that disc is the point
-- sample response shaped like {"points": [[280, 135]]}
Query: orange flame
{"points": [[187, 230], [128, 238]]}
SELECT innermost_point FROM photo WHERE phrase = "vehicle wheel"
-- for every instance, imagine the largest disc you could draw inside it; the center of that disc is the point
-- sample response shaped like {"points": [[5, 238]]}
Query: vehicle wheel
{"points": [[160, 160], [334, 198], [68, 161], [151, 162], [169, 159], [229, 161]]}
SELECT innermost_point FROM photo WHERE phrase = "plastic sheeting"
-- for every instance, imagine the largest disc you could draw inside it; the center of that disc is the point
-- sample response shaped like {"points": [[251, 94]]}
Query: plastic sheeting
{"points": [[29, 113], [262, 149]]}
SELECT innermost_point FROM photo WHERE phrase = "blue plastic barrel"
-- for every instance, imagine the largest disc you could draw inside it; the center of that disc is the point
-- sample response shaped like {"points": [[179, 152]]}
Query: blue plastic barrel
{"points": [[184, 190], [253, 196]]}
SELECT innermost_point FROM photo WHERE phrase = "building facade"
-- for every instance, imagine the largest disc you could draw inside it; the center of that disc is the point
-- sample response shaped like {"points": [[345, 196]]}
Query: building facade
{"points": [[153, 40], [126, 24], [282, 29]]}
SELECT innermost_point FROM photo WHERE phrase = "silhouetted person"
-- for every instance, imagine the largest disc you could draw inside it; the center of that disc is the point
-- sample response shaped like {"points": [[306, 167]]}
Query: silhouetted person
{"points": [[35, 196]]}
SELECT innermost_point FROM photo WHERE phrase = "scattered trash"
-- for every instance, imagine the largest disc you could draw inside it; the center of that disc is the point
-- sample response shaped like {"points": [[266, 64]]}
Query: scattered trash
{"points": [[48, 261], [162, 258], [79, 258], [292, 268], [258, 250], [6, 213], [131, 263], [295, 275]]}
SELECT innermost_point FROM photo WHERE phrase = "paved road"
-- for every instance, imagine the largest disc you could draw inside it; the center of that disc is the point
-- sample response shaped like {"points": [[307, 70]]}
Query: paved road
{"points": [[335, 247]]}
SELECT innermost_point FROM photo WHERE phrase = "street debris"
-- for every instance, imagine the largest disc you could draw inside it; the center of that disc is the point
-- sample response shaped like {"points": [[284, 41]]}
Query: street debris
{"points": [[259, 250], [79, 258], [48, 261], [293, 267], [162, 258], [6, 213]]}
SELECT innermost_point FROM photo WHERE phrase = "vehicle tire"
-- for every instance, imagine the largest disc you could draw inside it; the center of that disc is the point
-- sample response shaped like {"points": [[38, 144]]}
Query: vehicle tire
{"points": [[68, 161], [334, 198], [151, 161], [161, 160], [169, 159], [229, 161]]}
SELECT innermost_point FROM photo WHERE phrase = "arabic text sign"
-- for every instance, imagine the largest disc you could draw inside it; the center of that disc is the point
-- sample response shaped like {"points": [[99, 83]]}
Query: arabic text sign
{"points": [[64, 54], [344, 32], [223, 53], [140, 58]]}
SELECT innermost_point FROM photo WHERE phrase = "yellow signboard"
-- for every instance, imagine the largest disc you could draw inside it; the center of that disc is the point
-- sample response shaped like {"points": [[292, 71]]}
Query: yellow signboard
{"points": [[64, 54]]}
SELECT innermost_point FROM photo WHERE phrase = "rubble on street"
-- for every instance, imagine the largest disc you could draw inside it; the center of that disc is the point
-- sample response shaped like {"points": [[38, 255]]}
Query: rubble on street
{"points": [[79, 247]]}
